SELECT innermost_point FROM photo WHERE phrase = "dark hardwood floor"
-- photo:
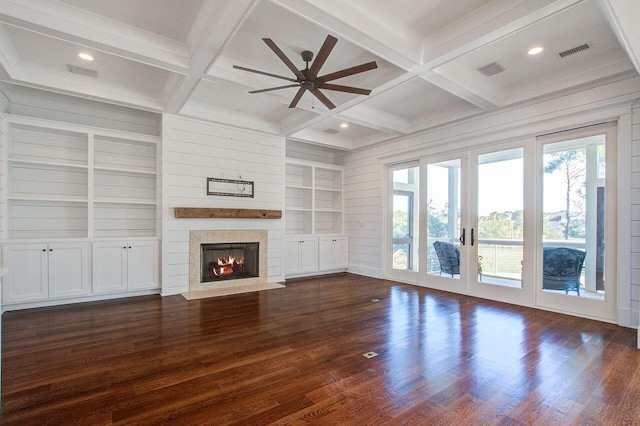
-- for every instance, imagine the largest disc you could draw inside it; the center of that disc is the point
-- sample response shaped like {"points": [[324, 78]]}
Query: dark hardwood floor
{"points": [[294, 355]]}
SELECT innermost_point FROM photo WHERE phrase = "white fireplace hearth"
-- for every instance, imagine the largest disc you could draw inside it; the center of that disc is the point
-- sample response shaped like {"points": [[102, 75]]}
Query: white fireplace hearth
{"points": [[199, 289]]}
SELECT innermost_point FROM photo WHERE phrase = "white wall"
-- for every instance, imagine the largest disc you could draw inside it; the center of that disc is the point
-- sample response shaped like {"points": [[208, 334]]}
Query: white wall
{"points": [[54, 106], [305, 151], [194, 150], [635, 212], [363, 177]]}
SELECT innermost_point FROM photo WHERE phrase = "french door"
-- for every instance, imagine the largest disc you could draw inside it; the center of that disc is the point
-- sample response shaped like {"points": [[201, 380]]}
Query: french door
{"points": [[529, 222], [443, 223], [576, 219], [474, 202]]}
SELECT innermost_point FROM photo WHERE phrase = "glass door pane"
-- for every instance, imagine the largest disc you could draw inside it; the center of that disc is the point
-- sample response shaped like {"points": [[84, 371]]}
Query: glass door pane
{"points": [[443, 219], [576, 260], [404, 219], [573, 217], [500, 217]]}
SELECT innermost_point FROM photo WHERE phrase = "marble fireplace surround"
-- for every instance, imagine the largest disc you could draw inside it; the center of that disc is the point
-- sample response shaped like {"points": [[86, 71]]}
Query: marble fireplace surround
{"points": [[199, 289]]}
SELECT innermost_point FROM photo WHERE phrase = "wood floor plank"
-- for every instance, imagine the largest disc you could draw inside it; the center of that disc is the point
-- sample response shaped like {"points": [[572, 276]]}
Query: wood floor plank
{"points": [[295, 356]]}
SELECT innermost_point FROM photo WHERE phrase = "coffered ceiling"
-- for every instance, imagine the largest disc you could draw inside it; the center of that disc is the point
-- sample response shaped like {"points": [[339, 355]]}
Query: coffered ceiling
{"points": [[438, 60]]}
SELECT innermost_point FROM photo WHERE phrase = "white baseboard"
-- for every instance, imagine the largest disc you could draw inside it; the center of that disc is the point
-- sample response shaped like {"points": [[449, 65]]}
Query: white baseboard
{"points": [[366, 271], [67, 301]]}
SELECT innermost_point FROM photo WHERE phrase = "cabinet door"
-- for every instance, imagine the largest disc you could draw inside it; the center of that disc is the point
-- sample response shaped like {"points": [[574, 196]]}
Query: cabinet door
{"points": [[308, 255], [292, 256], [142, 265], [27, 278], [109, 261], [332, 253], [68, 270], [325, 253], [340, 252]]}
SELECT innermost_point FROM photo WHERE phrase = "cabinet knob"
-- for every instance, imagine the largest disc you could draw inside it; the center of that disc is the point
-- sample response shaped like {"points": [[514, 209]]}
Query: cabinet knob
{"points": [[125, 247], [129, 246], [44, 249], [50, 249]]}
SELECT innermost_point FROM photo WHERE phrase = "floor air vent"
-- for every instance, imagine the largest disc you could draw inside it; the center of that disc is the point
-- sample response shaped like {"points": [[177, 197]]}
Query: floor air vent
{"points": [[573, 50]]}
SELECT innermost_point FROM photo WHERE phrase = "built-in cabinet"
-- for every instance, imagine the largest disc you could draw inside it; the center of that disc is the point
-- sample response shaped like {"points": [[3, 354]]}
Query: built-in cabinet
{"points": [[313, 219], [67, 190], [301, 255], [124, 265], [332, 252], [41, 271]]}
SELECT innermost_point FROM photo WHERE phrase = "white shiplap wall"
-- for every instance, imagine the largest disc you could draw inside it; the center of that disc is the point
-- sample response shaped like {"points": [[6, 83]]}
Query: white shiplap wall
{"points": [[363, 177], [36, 103], [635, 213], [194, 150]]}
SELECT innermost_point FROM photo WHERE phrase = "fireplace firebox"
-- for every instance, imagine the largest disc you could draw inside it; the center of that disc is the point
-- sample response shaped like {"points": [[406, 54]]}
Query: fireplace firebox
{"points": [[229, 261]]}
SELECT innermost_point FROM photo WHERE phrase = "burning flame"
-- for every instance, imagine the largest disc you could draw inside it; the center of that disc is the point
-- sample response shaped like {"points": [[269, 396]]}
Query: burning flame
{"points": [[228, 266]]}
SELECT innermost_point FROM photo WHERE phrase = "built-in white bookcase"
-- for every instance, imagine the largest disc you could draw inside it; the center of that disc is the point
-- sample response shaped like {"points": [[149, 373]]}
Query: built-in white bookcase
{"points": [[313, 219], [69, 181], [313, 198]]}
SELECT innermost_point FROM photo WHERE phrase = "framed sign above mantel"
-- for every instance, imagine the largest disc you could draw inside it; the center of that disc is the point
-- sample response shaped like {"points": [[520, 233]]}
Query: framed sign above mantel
{"points": [[230, 187]]}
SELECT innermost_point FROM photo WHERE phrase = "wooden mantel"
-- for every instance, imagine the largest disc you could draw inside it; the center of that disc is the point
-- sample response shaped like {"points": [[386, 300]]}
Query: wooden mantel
{"points": [[204, 212]]}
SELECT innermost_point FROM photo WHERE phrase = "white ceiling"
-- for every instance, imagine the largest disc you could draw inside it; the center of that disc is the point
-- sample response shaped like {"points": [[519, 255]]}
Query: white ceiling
{"points": [[178, 56]]}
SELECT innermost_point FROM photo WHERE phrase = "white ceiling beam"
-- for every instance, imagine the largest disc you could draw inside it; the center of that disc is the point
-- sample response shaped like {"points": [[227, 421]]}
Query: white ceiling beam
{"points": [[8, 55], [229, 117], [318, 137], [215, 25], [498, 19], [623, 16], [375, 119], [64, 22], [482, 27], [393, 43], [47, 79], [442, 117]]}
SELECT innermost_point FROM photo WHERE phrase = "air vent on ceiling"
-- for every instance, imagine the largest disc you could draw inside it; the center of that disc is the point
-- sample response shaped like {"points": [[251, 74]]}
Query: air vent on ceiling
{"points": [[331, 131], [82, 71], [573, 50], [491, 69]]}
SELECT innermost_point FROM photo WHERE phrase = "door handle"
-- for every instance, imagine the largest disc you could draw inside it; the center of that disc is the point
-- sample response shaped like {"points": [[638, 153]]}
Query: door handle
{"points": [[472, 236], [462, 237]]}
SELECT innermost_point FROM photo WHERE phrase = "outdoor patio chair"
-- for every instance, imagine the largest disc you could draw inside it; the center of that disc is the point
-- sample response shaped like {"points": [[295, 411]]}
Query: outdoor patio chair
{"points": [[561, 268], [448, 256]]}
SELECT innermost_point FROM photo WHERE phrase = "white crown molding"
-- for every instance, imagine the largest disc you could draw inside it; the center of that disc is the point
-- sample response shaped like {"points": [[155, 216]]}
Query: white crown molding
{"points": [[623, 17], [46, 79], [64, 22]]}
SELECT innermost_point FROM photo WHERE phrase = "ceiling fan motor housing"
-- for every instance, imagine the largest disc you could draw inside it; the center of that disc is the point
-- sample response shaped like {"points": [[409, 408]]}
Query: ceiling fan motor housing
{"points": [[307, 56]]}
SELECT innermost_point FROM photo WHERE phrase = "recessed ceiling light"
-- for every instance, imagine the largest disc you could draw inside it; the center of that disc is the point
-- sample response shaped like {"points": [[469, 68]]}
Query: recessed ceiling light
{"points": [[344, 125], [535, 50], [85, 56]]}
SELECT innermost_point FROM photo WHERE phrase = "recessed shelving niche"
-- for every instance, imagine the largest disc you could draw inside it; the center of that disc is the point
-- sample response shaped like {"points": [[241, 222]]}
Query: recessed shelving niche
{"points": [[68, 181], [313, 198]]}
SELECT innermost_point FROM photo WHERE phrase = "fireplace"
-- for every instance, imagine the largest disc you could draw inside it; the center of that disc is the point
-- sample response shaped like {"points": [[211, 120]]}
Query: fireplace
{"points": [[230, 246], [229, 261]]}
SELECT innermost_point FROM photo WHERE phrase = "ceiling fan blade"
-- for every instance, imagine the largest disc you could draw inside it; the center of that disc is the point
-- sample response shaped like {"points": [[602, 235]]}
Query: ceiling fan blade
{"points": [[297, 97], [322, 98], [284, 58], [348, 89], [348, 71], [275, 88], [264, 73], [323, 54]]}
